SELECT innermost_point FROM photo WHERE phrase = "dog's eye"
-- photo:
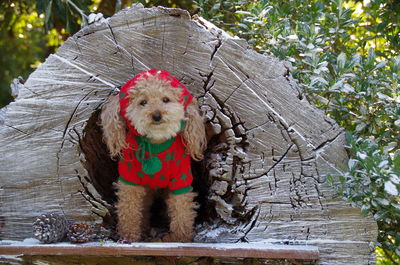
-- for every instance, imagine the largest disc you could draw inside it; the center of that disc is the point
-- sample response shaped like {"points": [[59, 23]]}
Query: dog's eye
{"points": [[165, 100], [143, 102]]}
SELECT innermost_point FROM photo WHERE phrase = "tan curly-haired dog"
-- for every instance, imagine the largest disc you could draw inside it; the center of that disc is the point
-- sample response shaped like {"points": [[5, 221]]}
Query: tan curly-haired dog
{"points": [[154, 127]]}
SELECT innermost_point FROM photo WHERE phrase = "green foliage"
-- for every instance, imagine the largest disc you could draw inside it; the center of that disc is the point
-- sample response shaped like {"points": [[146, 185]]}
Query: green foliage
{"points": [[64, 14], [29, 31], [373, 184], [21, 43], [385, 257], [344, 55], [184, 4]]}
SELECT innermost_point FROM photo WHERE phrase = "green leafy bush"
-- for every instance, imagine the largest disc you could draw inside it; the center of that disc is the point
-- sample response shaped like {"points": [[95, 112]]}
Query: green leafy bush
{"points": [[373, 184], [343, 54]]}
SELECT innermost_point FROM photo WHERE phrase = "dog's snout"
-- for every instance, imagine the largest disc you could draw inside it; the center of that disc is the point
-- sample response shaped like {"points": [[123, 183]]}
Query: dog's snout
{"points": [[156, 116]]}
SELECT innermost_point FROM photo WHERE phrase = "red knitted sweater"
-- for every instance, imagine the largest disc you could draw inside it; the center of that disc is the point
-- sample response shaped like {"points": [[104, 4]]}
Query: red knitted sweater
{"points": [[165, 165]]}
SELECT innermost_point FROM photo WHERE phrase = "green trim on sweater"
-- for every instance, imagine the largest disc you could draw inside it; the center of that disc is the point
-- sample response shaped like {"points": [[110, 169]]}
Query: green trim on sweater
{"points": [[144, 142], [182, 190]]}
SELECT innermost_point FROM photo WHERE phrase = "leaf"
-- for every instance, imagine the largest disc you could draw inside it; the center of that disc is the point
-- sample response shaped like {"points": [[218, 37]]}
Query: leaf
{"points": [[382, 201], [371, 56], [48, 12], [243, 26], [352, 163], [396, 163], [338, 84], [349, 137], [329, 179], [68, 22], [362, 155], [366, 181], [216, 7], [384, 97], [241, 12], [390, 147], [341, 60], [380, 65], [395, 179], [348, 88], [360, 127], [365, 209], [41, 6], [383, 164], [354, 61], [379, 215], [391, 188], [318, 79]]}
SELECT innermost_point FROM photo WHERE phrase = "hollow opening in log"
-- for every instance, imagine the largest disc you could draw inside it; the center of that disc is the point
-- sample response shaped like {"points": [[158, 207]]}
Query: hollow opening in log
{"points": [[103, 174]]}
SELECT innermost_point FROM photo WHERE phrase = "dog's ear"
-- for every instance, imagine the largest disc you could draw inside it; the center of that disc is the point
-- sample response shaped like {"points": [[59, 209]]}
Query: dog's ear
{"points": [[114, 127], [194, 133]]}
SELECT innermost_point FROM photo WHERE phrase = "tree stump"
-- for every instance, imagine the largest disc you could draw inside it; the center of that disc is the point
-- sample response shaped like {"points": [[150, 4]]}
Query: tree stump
{"points": [[269, 150]]}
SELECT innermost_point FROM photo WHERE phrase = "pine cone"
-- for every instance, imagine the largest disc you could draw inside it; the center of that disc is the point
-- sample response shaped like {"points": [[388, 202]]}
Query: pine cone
{"points": [[80, 233], [49, 228]]}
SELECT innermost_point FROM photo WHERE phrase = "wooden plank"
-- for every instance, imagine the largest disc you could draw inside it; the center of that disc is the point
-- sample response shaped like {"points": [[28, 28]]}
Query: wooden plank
{"points": [[267, 251]]}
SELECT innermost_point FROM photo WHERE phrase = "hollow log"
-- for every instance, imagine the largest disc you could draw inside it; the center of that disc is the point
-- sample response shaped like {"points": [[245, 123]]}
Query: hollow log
{"points": [[269, 151]]}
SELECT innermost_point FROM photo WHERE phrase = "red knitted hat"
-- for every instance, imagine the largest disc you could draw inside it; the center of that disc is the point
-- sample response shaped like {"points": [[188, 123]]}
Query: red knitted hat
{"points": [[185, 98]]}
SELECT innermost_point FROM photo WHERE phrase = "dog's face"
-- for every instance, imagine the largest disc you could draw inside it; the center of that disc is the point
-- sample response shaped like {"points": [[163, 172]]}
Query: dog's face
{"points": [[154, 108]]}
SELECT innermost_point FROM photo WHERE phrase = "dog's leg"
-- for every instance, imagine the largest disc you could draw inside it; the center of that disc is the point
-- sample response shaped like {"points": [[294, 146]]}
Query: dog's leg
{"points": [[182, 212], [131, 210]]}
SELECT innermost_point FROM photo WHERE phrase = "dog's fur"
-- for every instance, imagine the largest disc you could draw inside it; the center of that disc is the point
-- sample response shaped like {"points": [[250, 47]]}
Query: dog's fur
{"points": [[134, 202]]}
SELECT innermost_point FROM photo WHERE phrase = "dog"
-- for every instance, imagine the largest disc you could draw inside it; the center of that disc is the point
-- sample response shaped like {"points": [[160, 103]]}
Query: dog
{"points": [[154, 126]]}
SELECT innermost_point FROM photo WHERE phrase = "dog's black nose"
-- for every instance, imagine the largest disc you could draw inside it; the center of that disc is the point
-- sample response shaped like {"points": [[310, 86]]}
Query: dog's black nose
{"points": [[156, 116]]}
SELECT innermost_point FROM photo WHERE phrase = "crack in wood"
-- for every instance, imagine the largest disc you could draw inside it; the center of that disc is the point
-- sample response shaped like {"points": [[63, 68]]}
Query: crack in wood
{"points": [[216, 48], [16, 129], [61, 187], [89, 197], [251, 224], [77, 45], [320, 148], [273, 166], [115, 40], [288, 77], [234, 90], [187, 45], [72, 115], [206, 83], [258, 126], [78, 36], [295, 196], [133, 57]]}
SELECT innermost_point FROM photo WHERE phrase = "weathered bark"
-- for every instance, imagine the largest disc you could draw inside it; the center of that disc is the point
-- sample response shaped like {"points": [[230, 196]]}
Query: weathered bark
{"points": [[268, 154]]}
